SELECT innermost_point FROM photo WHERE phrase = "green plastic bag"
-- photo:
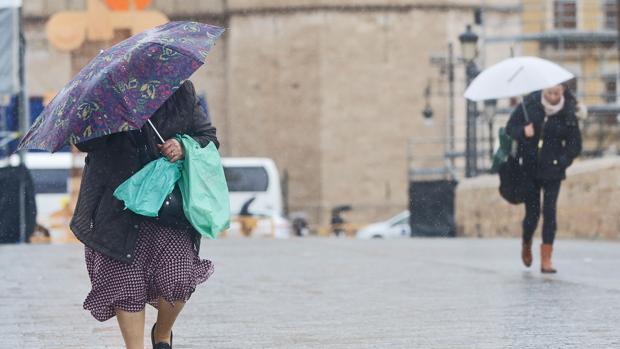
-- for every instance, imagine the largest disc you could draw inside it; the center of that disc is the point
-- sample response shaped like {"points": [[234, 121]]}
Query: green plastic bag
{"points": [[504, 150], [146, 190], [204, 189]]}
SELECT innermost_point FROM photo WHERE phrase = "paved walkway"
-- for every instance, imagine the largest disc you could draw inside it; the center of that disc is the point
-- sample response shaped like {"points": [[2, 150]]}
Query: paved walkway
{"points": [[339, 293]]}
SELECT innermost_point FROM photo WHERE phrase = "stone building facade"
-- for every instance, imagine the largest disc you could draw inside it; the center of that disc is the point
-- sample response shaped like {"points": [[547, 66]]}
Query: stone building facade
{"points": [[331, 90]]}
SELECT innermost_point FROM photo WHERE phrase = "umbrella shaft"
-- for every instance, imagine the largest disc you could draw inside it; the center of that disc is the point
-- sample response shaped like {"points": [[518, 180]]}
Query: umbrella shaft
{"points": [[157, 132], [525, 115]]}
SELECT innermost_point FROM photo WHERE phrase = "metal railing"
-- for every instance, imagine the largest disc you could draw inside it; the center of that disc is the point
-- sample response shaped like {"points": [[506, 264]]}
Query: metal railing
{"points": [[431, 159], [601, 131]]}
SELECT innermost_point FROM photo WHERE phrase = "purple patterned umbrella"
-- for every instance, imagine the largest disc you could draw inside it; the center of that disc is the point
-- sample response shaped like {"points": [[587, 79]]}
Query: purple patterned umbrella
{"points": [[123, 86]]}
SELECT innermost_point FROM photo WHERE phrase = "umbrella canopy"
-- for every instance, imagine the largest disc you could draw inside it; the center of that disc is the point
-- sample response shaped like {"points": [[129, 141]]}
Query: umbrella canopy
{"points": [[516, 76], [123, 86], [10, 3]]}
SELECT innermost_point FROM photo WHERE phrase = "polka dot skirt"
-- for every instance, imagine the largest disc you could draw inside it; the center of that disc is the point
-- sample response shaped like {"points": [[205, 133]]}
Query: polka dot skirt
{"points": [[165, 265]]}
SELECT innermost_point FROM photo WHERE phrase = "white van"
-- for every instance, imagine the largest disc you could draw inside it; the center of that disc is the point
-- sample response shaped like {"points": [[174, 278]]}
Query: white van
{"points": [[258, 180]]}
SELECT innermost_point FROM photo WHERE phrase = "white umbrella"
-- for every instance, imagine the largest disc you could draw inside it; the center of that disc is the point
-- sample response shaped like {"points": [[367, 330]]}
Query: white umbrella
{"points": [[10, 3], [515, 77]]}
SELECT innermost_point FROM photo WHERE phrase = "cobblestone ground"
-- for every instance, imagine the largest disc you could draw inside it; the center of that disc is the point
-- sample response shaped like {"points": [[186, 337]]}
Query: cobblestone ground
{"points": [[339, 293]]}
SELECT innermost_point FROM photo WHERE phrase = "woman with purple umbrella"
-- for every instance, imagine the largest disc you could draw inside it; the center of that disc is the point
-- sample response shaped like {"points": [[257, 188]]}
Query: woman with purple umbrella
{"points": [[132, 260], [124, 109]]}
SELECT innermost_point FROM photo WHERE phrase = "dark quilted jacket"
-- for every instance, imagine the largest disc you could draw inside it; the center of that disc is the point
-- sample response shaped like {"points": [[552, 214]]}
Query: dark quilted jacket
{"points": [[561, 138], [100, 220]]}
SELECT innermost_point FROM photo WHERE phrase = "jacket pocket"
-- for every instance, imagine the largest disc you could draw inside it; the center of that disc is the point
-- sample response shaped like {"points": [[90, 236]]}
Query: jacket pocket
{"points": [[93, 216]]}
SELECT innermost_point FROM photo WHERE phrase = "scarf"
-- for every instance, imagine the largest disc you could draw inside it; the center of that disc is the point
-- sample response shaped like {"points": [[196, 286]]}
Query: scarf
{"points": [[551, 109]]}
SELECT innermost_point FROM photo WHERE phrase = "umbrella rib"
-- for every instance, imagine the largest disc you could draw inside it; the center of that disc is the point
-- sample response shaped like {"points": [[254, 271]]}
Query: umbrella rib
{"points": [[121, 99], [122, 102], [515, 74], [181, 50]]}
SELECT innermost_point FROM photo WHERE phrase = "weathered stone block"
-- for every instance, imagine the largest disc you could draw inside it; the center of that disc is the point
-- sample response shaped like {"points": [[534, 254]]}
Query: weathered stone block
{"points": [[587, 207]]}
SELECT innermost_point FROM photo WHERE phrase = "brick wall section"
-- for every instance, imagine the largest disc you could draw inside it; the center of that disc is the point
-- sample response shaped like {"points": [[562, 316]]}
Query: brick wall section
{"points": [[375, 67], [588, 206]]}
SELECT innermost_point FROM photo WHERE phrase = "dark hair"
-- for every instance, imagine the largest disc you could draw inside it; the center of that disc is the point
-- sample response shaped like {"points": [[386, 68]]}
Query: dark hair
{"points": [[568, 92], [566, 86]]}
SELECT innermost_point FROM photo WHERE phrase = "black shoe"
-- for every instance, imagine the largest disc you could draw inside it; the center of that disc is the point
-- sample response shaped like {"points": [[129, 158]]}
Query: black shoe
{"points": [[161, 345]]}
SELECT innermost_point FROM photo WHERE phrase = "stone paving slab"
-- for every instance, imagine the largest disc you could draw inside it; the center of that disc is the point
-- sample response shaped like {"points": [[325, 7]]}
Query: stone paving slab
{"points": [[339, 293]]}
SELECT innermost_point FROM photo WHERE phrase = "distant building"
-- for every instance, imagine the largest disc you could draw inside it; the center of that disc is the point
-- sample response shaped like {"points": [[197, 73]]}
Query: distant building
{"points": [[583, 37]]}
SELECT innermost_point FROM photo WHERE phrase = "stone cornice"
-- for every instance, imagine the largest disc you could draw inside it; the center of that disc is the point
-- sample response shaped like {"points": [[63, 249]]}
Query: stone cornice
{"points": [[224, 9]]}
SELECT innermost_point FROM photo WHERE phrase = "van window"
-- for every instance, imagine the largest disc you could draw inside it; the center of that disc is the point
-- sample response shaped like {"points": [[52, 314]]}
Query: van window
{"points": [[252, 179]]}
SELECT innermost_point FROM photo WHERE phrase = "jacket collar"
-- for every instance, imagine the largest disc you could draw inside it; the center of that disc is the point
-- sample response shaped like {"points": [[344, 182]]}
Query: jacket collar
{"points": [[533, 101]]}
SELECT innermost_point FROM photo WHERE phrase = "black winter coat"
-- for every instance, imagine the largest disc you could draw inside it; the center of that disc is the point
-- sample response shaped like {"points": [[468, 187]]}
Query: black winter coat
{"points": [[561, 138], [100, 220]]}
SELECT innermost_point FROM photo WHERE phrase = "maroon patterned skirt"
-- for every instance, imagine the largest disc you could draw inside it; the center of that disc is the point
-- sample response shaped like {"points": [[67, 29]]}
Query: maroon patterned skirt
{"points": [[165, 265]]}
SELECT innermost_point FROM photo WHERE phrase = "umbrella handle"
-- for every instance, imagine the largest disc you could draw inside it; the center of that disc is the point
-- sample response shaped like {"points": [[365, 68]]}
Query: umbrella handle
{"points": [[527, 117], [157, 132]]}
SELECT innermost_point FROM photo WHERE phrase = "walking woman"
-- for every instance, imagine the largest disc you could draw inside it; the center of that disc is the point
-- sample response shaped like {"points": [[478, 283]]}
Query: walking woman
{"points": [[548, 142], [133, 260]]}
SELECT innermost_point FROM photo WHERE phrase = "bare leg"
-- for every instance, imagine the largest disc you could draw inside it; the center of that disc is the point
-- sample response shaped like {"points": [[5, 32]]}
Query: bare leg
{"points": [[132, 328], [166, 316]]}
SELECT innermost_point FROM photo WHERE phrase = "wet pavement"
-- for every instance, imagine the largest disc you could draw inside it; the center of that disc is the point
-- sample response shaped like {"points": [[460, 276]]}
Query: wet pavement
{"points": [[339, 293]]}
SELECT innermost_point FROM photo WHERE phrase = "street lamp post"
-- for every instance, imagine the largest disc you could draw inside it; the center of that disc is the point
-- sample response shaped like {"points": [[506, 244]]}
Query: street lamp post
{"points": [[469, 41], [24, 124], [490, 108]]}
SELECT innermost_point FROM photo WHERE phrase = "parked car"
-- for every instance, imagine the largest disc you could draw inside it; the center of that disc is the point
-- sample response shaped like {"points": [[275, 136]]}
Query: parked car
{"points": [[395, 227]]}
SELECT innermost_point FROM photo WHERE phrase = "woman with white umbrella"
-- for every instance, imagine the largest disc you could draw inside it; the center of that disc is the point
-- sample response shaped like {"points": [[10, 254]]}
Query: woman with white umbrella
{"points": [[549, 140], [546, 129]]}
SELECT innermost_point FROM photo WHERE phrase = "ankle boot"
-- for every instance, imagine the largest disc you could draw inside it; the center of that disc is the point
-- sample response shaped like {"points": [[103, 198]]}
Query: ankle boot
{"points": [[545, 259], [526, 253]]}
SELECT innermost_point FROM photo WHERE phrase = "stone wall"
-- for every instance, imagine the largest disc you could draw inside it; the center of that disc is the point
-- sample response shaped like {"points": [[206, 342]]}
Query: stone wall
{"points": [[588, 206], [274, 94]]}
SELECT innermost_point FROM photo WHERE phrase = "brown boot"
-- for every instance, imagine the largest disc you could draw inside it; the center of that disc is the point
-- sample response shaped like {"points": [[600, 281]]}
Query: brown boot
{"points": [[545, 259], [526, 253]]}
